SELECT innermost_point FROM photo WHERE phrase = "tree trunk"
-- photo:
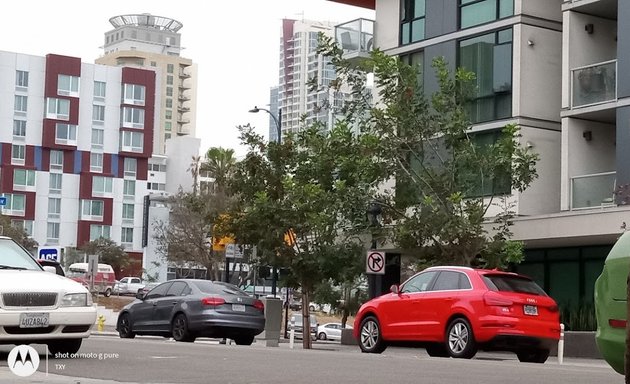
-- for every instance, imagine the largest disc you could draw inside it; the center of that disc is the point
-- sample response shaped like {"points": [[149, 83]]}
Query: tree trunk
{"points": [[306, 319]]}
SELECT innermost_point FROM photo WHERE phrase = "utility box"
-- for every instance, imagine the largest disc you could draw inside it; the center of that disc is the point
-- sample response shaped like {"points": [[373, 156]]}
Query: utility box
{"points": [[273, 321]]}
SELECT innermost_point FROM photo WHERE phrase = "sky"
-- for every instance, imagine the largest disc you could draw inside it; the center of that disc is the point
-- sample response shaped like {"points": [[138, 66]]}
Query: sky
{"points": [[235, 44]]}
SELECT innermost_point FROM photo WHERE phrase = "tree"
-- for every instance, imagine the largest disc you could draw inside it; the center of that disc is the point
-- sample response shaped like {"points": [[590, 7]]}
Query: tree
{"points": [[108, 252], [218, 164], [447, 176], [302, 202], [17, 233]]}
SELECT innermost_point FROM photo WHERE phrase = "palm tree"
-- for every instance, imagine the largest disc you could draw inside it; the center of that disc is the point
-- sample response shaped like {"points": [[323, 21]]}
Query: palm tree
{"points": [[194, 168], [218, 165]]}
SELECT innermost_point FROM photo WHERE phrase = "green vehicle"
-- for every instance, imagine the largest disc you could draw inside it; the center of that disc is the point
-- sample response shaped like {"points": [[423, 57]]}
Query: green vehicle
{"points": [[611, 306]]}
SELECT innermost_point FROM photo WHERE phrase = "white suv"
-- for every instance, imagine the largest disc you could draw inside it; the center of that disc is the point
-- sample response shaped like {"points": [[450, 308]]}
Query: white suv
{"points": [[40, 307]]}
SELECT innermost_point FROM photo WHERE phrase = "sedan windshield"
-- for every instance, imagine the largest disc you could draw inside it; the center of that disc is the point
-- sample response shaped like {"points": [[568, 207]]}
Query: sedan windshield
{"points": [[508, 283], [12, 256]]}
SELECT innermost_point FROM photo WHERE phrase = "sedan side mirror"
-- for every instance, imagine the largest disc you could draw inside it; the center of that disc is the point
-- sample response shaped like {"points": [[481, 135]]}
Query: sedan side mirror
{"points": [[140, 295], [395, 289]]}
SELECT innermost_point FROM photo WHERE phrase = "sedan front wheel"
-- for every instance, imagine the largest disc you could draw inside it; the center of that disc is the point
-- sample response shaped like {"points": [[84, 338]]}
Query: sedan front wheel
{"points": [[370, 337]]}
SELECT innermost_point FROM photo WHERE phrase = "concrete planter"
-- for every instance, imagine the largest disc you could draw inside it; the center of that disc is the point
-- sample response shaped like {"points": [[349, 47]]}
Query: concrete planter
{"points": [[576, 344]]}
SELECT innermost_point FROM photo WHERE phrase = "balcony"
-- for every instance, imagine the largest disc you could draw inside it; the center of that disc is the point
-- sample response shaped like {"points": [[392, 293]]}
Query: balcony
{"points": [[356, 38], [594, 84], [183, 109], [184, 75], [593, 191], [602, 8]]}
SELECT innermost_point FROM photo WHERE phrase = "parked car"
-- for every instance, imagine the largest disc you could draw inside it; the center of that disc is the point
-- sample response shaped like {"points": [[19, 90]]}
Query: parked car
{"points": [[103, 281], [186, 309], [128, 285], [330, 331], [52, 266], [611, 304], [296, 324], [41, 307], [455, 311], [146, 288]]}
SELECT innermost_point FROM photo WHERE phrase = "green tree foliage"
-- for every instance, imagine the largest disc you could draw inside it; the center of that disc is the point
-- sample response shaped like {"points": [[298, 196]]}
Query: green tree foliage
{"points": [[108, 253], [448, 178], [17, 233]]}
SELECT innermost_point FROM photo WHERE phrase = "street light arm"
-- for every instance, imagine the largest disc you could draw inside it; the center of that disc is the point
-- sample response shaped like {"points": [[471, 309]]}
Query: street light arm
{"points": [[275, 119]]}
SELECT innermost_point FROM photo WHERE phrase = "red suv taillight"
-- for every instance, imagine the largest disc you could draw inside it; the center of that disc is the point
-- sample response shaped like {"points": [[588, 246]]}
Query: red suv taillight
{"points": [[259, 305], [212, 301], [616, 323]]}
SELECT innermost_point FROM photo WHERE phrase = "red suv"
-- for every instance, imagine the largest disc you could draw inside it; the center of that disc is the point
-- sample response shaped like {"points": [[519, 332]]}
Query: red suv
{"points": [[455, 311]]}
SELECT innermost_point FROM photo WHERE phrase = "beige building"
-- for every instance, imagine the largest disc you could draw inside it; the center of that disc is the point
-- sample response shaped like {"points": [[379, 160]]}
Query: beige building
{"points": [[154, 42]]}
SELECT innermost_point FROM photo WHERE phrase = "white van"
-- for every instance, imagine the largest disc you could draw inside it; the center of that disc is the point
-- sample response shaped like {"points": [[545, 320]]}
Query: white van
{"points": [[104, 280]]}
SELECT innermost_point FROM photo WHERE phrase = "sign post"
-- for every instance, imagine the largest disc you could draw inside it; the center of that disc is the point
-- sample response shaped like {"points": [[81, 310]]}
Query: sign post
{"points": [[92, 269]]}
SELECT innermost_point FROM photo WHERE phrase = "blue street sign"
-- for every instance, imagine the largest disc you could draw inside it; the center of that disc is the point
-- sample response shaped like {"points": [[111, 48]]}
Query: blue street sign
{"points": [[48, 253], [3, 200]]}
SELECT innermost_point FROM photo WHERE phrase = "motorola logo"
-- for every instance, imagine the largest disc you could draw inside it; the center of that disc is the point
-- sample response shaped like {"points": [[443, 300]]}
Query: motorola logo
{"points": [[23, 360]]}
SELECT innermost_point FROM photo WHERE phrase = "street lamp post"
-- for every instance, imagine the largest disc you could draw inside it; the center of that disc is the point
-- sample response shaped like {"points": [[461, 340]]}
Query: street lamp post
{"points": [[278, 121], [374, 281]]}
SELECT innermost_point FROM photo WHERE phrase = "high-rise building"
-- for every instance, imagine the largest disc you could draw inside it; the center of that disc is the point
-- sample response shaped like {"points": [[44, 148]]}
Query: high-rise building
{"points": [[300, 64], [154, 42], [549, 66]]}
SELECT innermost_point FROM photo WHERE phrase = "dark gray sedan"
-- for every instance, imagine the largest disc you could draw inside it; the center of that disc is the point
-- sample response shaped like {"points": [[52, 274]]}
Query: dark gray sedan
{"points": [[186, 309]]}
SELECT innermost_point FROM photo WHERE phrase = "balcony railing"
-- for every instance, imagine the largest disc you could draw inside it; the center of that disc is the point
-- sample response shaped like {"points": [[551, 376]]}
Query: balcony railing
{"points": [[594, 84], [595, 190], [356, 36]]}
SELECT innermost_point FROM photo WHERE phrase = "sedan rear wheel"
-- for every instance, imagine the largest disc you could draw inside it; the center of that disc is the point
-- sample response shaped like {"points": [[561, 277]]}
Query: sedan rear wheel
{"points": [[244, 340], [460, 341], [124, 327], [533, 356], [370, 337], [68, 346], [179, 329]]}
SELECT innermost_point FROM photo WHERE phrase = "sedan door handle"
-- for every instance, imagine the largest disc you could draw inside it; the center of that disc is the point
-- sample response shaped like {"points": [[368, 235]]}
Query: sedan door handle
{"points": [[174, 302]]}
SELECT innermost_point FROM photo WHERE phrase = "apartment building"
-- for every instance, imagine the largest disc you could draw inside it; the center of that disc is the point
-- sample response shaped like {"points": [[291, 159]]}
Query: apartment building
{"points": [[549, 66], [154, 42], [74, 166]]}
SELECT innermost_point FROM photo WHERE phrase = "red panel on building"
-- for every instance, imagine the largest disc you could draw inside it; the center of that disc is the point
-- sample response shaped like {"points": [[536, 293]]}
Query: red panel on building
{"points": [[370, 4], [59, 65], [143, 169], [68, 162], [30, 206], [107, 165], [83, 232], [85, 186], [7, 182], [146, 78], [85, 162]]}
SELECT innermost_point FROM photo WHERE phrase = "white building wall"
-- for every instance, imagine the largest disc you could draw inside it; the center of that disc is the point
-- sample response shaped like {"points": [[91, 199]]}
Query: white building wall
{"points": [[180, 151], [547, 9], [387, 24]]}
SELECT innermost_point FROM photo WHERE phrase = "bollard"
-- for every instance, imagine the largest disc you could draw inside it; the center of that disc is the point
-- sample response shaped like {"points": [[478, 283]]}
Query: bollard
{"points": [[100, 323], [292, 334], [561, 345]]}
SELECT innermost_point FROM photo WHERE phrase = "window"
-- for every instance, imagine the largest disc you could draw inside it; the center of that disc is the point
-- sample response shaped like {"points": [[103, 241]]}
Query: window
{"points": [[169, 91], [479, 184], [450, 281], [68, 85], [20, 103], [27, 225], [412, 18], [21, 79], [23, 178], [129, 188], [168, 126], [56, 159], [127, 211], [101, 185], [92, 210], [66, 134], [96, 162], [134, 94], [98, 113], [132, 141], [170, 68], [16, 204], [18, 154], [54, 183], [58, 109], [490, 58], [419, 283], [52, 232], [98, 137], [156, 186], [153, 63], [169, 80], [98, 231], [416, 59], [169, 103], [126, 235], [133, 117], [157, 167], [131, 166], [19, 128], [168, 114], [475, 12], [99, 89], [54, 207]]}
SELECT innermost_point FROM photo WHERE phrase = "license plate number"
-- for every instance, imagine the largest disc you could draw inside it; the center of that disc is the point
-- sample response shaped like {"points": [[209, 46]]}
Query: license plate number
{"points": [[33, 320], [238, 307], [531, 310]]}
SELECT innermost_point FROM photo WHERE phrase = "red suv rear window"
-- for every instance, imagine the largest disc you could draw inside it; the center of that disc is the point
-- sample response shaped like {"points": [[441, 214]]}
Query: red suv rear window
{"points": [[508, 283]]}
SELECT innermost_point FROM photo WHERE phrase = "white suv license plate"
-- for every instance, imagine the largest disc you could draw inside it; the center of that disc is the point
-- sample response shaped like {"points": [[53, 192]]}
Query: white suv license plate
{"points": [[530, 310], [33, 320]]}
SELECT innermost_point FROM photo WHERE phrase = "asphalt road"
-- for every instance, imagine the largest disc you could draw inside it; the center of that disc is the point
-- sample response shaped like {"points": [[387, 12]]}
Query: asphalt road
{"points": [[107, 359]]}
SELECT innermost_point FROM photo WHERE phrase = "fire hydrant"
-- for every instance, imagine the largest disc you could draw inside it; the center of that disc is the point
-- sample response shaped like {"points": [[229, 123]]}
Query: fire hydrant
{"points": [[100, 323]]}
